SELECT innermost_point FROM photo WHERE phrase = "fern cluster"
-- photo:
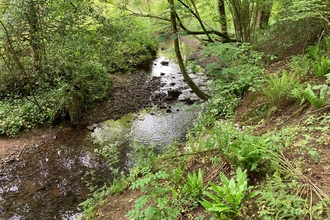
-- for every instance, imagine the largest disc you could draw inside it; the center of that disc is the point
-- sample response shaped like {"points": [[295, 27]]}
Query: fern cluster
{"points": [[279, 87]]}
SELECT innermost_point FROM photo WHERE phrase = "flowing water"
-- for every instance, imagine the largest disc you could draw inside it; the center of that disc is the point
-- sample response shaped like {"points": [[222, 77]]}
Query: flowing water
{"points": [[51, 181]]}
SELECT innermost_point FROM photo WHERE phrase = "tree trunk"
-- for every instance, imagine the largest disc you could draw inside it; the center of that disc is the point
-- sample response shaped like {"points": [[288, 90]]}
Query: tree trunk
{"points": [[265, 14], [222, 13], [35, 43], [184, 73]]}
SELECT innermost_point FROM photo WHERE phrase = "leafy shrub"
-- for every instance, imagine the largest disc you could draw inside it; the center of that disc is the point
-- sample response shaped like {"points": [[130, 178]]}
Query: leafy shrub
{"points": [[239, 148], [244, 149], [237, 67], [321, 67], [226, 202], [160, 200], [17, 113], [279, 87], [300, 65], [218, 106], [192, 190], [280, 199], [317, 100]]}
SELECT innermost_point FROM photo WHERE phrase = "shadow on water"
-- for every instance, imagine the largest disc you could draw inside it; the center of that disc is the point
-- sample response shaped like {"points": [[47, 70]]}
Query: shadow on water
{"points": [[50, 182]]}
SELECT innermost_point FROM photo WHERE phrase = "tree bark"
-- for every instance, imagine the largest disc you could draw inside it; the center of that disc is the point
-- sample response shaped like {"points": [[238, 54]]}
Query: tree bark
{"points": [[184, 73], [222, 13], [265, 14], [35, 43]]}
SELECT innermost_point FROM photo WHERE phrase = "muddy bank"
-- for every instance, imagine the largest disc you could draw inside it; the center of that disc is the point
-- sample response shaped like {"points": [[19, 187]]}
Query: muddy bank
{"points": [[131, 93], [46, 165]]}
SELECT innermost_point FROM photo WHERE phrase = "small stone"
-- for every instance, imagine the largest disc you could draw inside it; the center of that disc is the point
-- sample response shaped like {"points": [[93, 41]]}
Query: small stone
{"points": [[164, 63], [90, 128]]}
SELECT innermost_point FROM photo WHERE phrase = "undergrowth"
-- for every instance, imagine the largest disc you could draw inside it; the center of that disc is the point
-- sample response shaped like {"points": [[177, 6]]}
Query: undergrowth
{"points": [[248, 170]]}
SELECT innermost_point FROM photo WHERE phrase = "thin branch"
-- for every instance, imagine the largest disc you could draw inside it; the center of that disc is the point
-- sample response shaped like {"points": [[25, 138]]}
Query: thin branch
{"points": [[182, 26], [20, 66], [196, 15], [190, 154], [148, 16]]}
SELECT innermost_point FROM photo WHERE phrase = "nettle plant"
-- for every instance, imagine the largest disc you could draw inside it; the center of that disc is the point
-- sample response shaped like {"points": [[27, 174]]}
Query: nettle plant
{"points": [[236, 67]]}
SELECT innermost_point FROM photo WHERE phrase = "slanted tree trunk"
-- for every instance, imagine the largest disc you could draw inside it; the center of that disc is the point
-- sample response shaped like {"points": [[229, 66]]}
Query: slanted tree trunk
{"points": [[184, 73]]}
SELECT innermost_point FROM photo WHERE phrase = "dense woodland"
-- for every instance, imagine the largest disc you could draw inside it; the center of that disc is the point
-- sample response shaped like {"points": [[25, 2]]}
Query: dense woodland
{"points": [[264, 125]]}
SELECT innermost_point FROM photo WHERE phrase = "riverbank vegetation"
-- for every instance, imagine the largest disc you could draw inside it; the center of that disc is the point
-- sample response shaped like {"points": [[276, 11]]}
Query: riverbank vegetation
{"points": [[259, 150], [56, 57]]}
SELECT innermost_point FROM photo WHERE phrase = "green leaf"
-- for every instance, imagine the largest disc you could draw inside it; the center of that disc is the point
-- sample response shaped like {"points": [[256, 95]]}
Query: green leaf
{"points": [[224, 179], [220, 208], [213, 197], [164, 37], [251, 195], [141, 201], [175, 36]]}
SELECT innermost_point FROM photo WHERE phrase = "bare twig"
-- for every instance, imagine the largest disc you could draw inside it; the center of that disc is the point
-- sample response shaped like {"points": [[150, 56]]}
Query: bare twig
{"points": [[20, 66]]}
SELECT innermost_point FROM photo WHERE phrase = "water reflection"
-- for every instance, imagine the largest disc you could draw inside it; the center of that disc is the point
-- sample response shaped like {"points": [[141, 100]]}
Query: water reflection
{"points": [[49, 184], [162, 128]]}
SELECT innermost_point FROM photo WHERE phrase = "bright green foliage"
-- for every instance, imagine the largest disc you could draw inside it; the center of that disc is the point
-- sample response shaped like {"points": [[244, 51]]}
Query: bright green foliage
{"points": [[166, 205], [17, 113], [111, 153], [279, 87], [317, 95], [237, 67], [298, 94], [317, 100], [226, 201], [300, 65], [321, 67], [218, 106], [280, 199], [193, 189], [315, 52], [320, 54], [239, 148], [66, 49], [166, 193], [301, 9]]}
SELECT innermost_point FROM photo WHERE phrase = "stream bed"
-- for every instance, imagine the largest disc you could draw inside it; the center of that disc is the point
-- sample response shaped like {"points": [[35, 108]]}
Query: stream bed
{"points": [[51, 180]]}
